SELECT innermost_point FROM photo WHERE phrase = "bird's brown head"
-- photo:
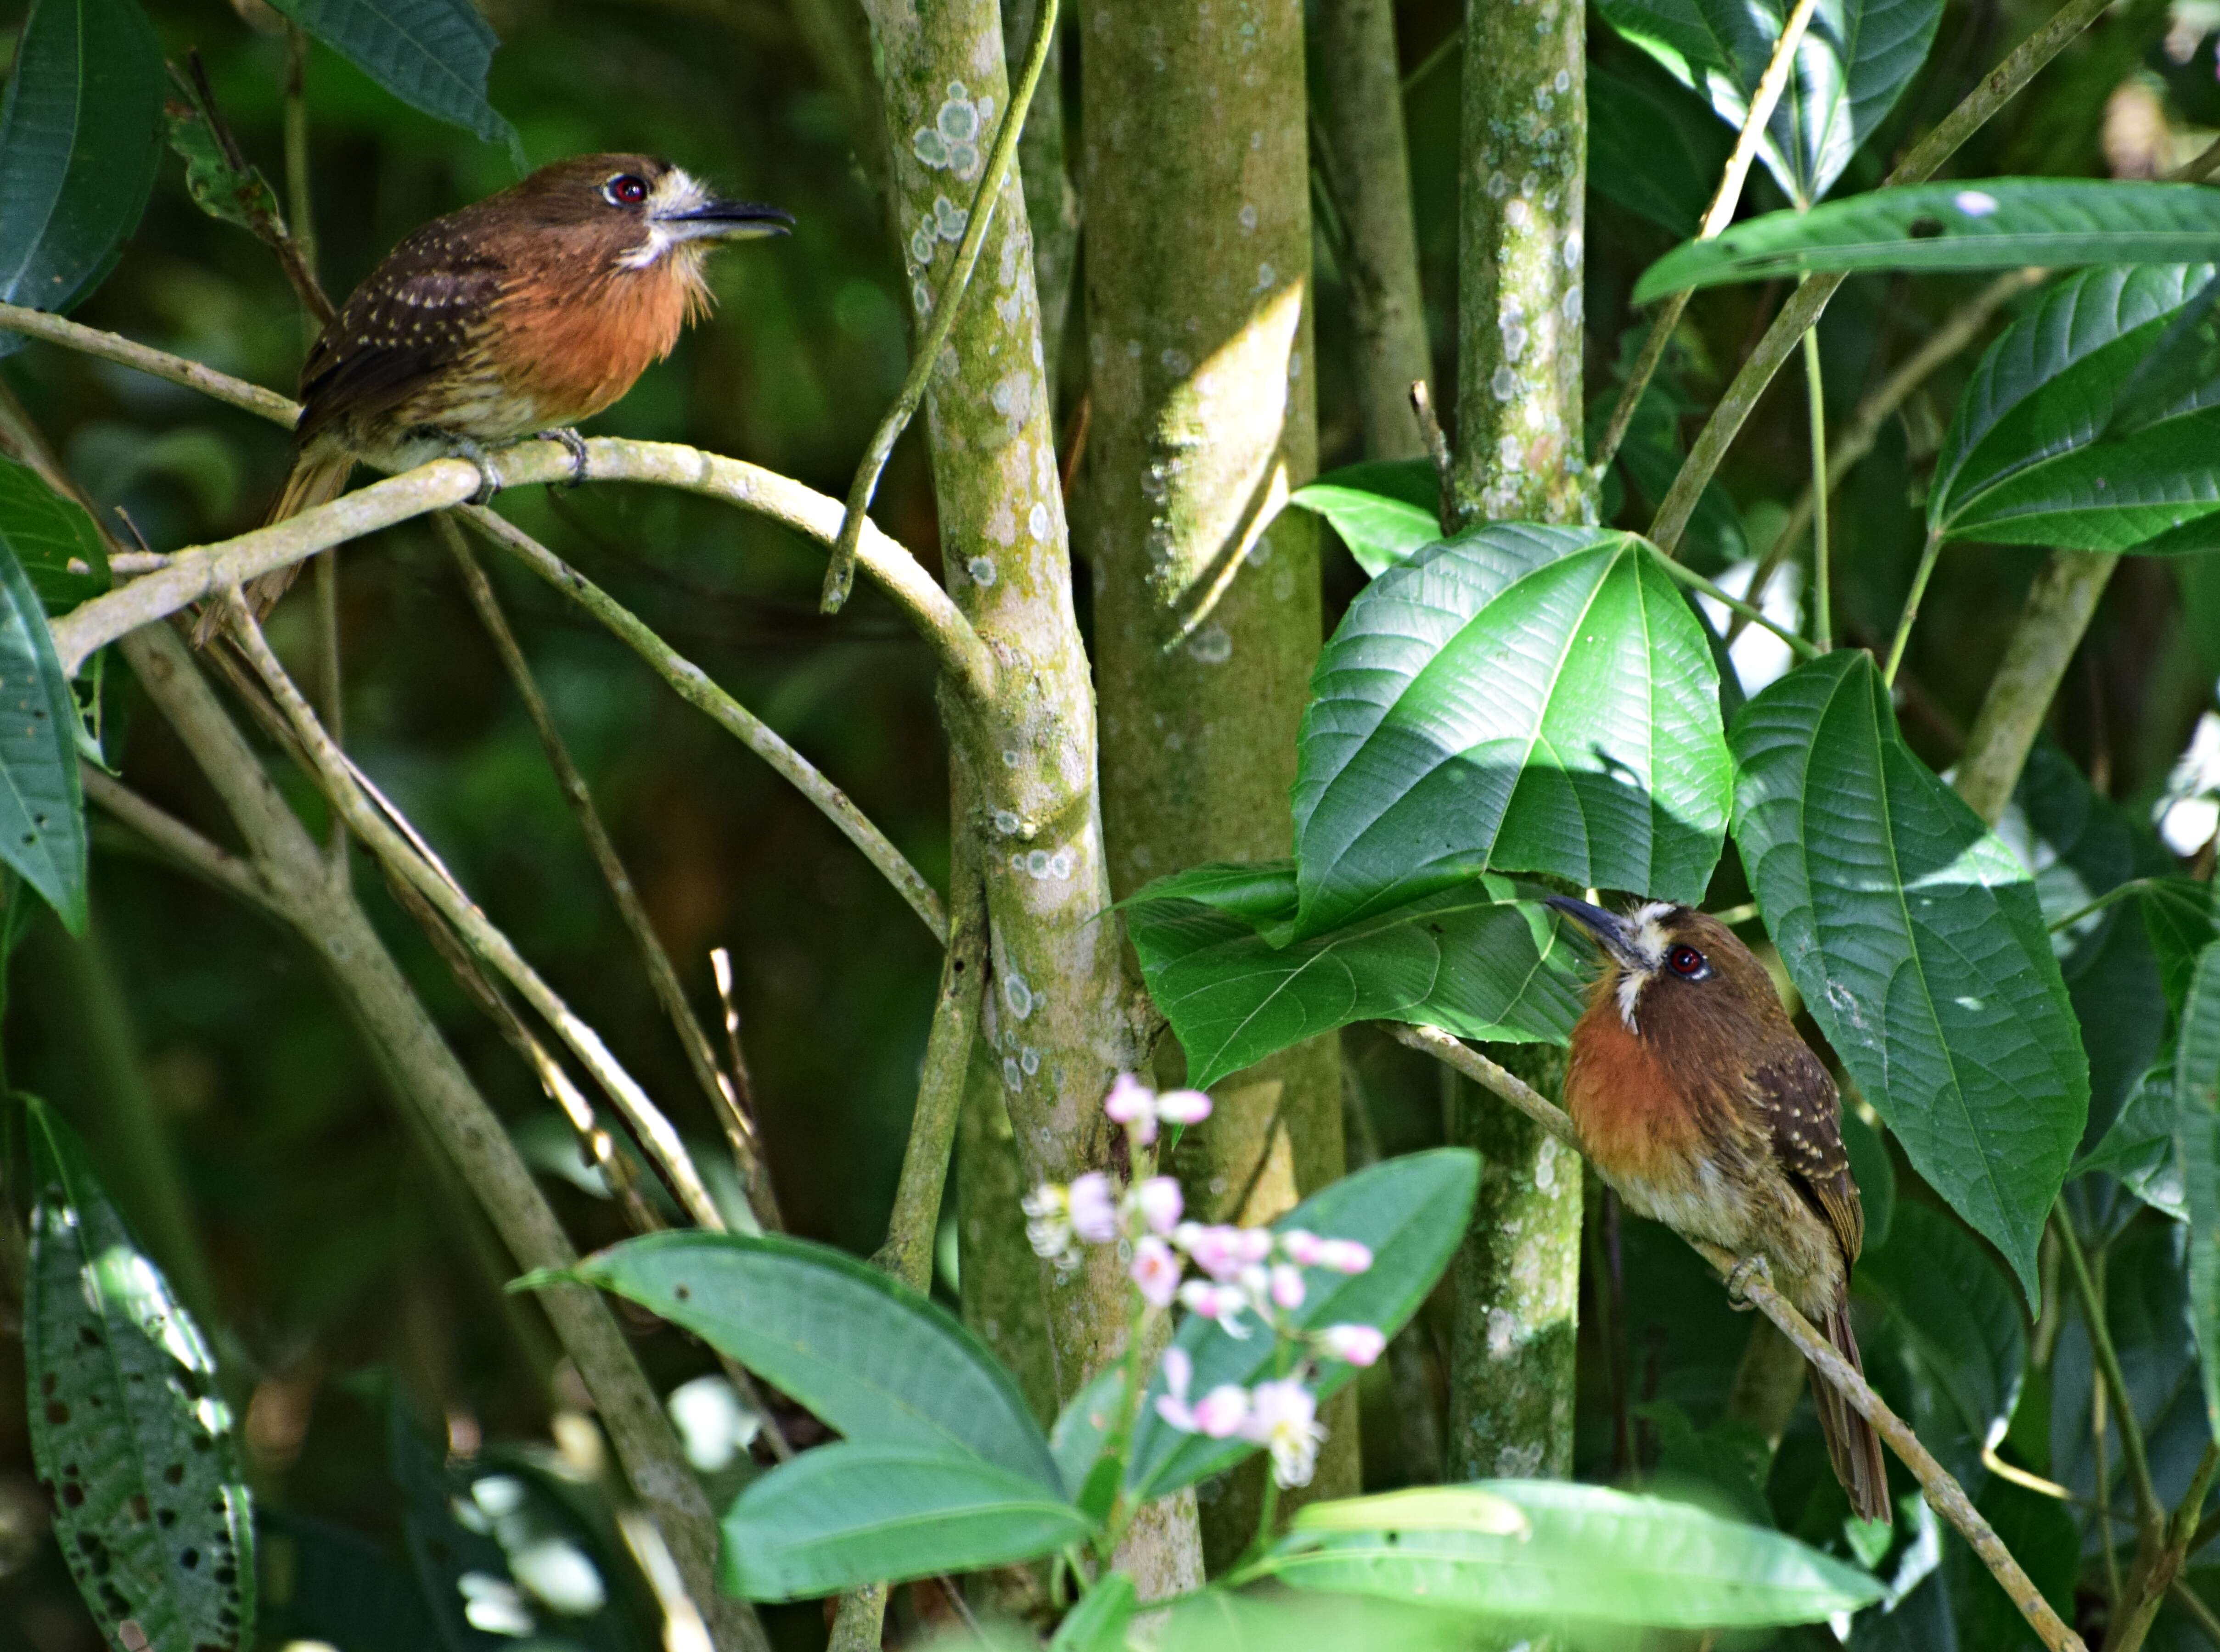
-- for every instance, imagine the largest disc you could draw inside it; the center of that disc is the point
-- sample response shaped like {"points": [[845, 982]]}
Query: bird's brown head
{"points": [[627, 212], [1674, 975]]}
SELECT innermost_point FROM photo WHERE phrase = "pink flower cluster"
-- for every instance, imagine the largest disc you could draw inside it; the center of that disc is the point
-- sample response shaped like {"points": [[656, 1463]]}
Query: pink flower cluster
{"points": [[1241, 1273]]}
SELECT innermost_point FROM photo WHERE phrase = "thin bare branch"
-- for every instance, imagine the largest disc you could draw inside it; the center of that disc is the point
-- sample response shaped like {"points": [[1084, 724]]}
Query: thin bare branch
{"points": [[109, 347], [179, 843]]}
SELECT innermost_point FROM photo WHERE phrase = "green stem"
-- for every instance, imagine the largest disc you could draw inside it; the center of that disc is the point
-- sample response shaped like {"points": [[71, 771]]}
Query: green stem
{"points": [[1927, 559], [841, 576], [1803, 648], [1120, 1440], [2117, 892], [1823, 615], [2148, 1508]]}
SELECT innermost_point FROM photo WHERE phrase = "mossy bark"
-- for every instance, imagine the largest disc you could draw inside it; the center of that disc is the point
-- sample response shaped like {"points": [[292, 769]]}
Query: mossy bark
{"points": [[1520, 456], [1059, 1009], [1206, 605]]}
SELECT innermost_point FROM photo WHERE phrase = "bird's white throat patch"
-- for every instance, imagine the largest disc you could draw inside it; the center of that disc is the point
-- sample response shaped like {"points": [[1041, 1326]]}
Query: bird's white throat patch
{"points": [[677, 191], [1645, 931]]}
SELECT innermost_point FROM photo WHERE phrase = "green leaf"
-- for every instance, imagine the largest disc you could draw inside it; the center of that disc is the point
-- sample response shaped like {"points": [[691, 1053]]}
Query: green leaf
{"points": [[431, 54], [1083, 1426], [1098, 1623], [2197, 1103], [1384, 509], [1993, 223], [1471, 959], [324, 1582], [1655, 152], [2041, 1534], [150, 1505], [42, 832], [1956, 1311], [2081, 846], [2180, 917], [877, 1361], [847, 1514], [1518, 698], [219, 189], [2039, 453], [1915, 938], [1588, 1553], [1219, 1620], [2139, 1148], [80, 138], [1412, 1211], [47, 533], [1853, 64]]}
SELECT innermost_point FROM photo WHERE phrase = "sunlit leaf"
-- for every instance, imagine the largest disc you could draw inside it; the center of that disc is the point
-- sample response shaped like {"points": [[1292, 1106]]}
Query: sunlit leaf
{"points": [[1588, 1553], [1098, 1623], [1518, 698], [848, 1514], [1384, 510], [80, 138], [878, 1361], [1475, 959], [1992, 223], [1853, 64], [1918, 944], [127, 1430]]}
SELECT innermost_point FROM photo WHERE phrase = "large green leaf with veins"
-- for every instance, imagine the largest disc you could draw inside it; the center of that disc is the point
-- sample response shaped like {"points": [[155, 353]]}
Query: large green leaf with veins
{"points": [[1519, 698], [1476, 959], [1916, 939], [1853, 64]]}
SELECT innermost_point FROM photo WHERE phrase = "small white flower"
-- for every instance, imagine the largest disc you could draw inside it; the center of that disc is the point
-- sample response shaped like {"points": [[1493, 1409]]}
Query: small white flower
{"points": [[1222, 1412], [1344, 1256], [1355, 1344], [1156, 1270], [1301, 1246], [1132, 1104], [1219, 1413], [1183, 1106], [1159, 1203], [1288, 1287], [1223, 1252], [1283, 1416], [1094, 1210]]}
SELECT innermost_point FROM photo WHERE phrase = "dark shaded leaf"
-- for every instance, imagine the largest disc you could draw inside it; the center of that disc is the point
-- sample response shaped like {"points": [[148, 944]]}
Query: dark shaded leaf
{"points": [[431, 54], [1917, 941], [42, 832]]}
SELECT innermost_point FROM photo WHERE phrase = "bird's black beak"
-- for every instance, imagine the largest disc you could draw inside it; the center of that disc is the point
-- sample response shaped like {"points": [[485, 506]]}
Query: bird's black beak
{"points": [[729, 220], [1609, 929]]}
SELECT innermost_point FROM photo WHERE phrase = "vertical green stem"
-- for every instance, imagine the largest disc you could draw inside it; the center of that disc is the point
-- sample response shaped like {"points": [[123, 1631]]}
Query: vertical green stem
{"points": [[1822, 611], [2149, 1512], [1919, 579]]}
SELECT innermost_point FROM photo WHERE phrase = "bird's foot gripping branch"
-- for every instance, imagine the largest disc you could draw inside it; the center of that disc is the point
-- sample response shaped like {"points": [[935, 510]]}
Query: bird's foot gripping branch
{"points": [[942, 1463]]}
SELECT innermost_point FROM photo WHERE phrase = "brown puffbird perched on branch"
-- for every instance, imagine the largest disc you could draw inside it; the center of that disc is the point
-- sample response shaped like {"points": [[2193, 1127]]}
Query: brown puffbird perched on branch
{"points": [[515, 317], [1696, 1100]]}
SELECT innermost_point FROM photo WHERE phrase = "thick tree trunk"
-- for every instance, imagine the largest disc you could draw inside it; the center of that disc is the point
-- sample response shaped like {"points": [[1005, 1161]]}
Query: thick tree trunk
{"points": [[1519, 455], [1207, 598], [1059, 1010]]}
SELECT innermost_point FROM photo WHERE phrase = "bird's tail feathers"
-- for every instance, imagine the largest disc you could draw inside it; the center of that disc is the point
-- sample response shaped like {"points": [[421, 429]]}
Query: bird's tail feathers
{"points": [[1852, 1446], [319, 476]]}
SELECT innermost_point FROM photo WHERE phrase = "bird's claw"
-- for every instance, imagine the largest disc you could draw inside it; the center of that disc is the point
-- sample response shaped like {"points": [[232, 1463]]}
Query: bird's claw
{"points": [[575, 445], [490, 482], [1739, 1277]]}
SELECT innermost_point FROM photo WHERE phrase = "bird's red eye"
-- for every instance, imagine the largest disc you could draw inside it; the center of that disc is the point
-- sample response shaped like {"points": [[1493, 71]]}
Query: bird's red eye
{"points": [[624, 191], [1687, 963]]}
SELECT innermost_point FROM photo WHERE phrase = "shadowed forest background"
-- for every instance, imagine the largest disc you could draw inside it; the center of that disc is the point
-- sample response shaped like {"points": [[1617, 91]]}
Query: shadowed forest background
{"points": [[231, 1106]]}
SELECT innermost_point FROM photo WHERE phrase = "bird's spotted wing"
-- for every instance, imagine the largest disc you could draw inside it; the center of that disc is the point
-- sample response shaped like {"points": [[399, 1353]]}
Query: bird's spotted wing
{"points": [[418, 314], [1805, 1113]]}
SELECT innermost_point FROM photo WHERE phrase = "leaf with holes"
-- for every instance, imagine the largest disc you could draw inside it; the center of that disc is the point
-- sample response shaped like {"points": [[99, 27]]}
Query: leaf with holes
{"points": [[135, 1448], [42, 832], [431, 54], [1993, 223], [59, 549], [1916, 939], [1856, 59], [80, 138], [1518, 698], [1475, 959]]}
